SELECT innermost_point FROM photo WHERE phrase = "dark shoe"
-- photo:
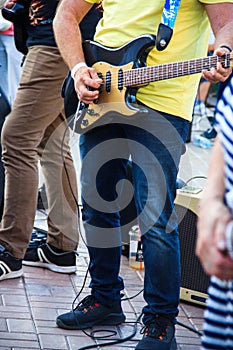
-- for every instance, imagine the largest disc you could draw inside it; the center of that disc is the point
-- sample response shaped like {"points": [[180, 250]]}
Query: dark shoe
{"points": [[10, 267], [159, 334], [210, 133], [45, 256], [89, 313]]}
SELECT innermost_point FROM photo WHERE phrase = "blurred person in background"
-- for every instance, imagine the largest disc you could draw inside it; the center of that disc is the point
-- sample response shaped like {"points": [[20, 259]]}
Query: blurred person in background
{"points": [[10, 73], [215, 231], [35, 130]]}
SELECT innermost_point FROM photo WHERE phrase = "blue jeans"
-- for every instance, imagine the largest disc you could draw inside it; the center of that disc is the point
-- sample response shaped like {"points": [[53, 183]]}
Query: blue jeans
{"points": [[155, 143]]}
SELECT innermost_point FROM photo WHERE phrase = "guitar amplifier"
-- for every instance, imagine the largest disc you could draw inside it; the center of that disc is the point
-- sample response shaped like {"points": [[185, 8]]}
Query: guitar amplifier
{"points": [[194, 281]]}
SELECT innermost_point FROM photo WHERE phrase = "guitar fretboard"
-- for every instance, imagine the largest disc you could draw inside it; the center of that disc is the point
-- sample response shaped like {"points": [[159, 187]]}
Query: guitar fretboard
{"points": [[144, 75]]}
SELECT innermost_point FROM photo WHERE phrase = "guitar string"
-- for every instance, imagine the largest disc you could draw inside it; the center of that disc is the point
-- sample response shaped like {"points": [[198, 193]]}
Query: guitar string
{"points": [[166, 71], [189, 65]]}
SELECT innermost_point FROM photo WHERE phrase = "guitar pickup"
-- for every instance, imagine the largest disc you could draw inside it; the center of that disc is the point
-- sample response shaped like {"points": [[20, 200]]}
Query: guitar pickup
{"points": [[108, 82], [120, 79]]}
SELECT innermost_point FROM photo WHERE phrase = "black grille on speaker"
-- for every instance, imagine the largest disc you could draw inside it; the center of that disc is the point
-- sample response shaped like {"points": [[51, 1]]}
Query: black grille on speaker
{"points": [[193, 276]]}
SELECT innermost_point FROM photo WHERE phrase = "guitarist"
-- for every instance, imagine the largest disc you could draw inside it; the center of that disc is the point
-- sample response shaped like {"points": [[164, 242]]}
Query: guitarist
{"points": [[35, 128], [154, 141]]}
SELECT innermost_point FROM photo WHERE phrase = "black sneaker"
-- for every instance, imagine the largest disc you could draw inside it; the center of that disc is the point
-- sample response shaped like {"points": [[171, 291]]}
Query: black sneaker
{"points": [[45, 256], [10, 267], [89, 313], [158, 335]]}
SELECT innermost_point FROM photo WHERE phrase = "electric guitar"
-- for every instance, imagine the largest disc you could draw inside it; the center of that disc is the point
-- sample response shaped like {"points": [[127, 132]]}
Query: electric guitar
{"points": [[123, 70]]}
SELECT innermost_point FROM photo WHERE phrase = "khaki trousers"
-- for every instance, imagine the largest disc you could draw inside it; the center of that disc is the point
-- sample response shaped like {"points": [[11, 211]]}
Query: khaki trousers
{"points": [[34, 130]]}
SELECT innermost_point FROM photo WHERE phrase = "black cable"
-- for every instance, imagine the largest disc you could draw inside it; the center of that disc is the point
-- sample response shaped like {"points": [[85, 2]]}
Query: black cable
{"points": [[110, 334], [42, 211], [185, 183], [64, 163], [68, 178], [115, 341], [196, 177], [134, 296], [40, 230], [82, 287], [189, 328]]}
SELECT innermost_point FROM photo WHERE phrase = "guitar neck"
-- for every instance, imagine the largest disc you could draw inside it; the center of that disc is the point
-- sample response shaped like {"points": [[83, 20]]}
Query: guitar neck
{"points": [[139, 76]]}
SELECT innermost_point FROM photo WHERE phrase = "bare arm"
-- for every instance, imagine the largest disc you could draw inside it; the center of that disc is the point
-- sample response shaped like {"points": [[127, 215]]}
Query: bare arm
{"points": [[68, 38], [221, 20], [212, 220], [69, 15]]}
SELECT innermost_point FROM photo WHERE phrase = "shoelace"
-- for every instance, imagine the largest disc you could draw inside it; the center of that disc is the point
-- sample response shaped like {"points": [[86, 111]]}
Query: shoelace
{"points": [[155, 329], [89, 302]]}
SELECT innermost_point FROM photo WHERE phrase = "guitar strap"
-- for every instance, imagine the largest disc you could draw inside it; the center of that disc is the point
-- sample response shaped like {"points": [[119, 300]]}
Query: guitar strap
{"points": [[166, 26]]}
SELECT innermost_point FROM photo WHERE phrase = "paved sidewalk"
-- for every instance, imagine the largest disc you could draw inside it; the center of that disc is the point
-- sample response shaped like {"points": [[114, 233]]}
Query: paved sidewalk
{"points": [[29, 306]]}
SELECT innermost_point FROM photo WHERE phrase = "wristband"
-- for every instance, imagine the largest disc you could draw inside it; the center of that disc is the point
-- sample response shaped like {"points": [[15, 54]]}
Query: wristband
{"points": [[76, 67], [229, 243], [226, 47]]}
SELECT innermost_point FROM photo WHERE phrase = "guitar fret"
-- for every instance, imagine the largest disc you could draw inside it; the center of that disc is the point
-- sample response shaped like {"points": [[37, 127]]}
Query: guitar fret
{"points": [[139, 77], [164, 71], [154, 73], [144, 72], [180, 68], [170, 71], [206, 63], [175, 69], [191, 68]]}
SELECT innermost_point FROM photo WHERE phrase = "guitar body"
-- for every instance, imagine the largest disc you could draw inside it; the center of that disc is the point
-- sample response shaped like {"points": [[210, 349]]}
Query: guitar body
{"points": [[113, 99]]}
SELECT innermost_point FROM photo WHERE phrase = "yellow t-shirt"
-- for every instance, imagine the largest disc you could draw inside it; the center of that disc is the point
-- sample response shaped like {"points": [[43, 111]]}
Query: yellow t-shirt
{"points": [[190, 40]]}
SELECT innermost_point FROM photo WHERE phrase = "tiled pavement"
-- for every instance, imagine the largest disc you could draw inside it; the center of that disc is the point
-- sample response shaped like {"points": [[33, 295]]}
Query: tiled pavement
{"points": [[29, 305]]}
